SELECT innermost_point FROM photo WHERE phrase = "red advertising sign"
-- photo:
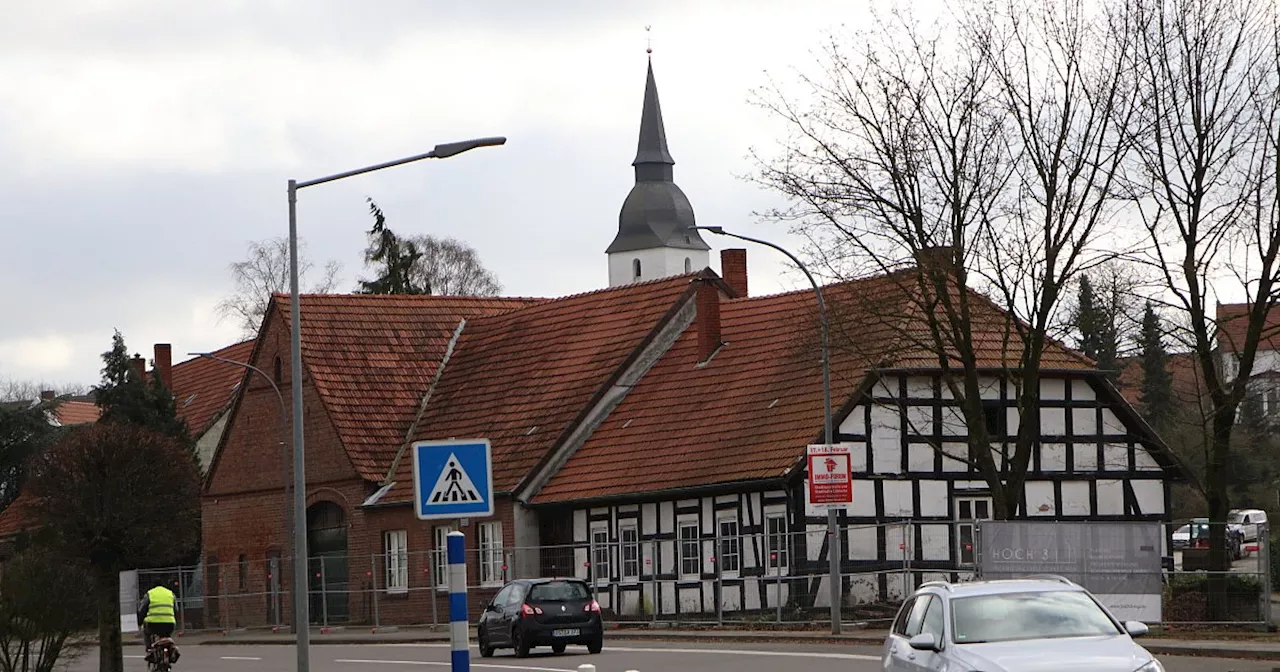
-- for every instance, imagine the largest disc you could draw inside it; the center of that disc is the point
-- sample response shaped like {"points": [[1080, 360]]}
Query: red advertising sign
{"points": [[830, 476]]}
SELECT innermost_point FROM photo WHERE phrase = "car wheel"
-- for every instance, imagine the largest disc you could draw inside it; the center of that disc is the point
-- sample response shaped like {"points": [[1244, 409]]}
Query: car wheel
{"points": [[521, 643], [596, 646], [557, 648], [486, 651]]}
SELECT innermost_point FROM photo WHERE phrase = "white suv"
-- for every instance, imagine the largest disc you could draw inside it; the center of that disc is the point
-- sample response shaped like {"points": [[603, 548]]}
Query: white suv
{"points": [[1035, 624]]}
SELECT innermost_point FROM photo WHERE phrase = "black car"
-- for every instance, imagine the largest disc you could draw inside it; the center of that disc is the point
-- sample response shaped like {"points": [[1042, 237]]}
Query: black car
{"points": [[541, 612]]}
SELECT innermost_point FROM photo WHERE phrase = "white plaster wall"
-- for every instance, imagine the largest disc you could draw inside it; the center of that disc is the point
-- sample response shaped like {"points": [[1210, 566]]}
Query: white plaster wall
{"points": [[920, 457], [857, 455], [1110, 423], [1084, 421], [665, 519], [1085, 456], [1053, 457], [1053, 421], [953, 421], [1040, 493], [919, 387], [861, 543], [1110, 497], [897, 499], [920, 420], [1144, 461], [1053, 389], [935, 541], [1075, 498], [655, 263], [953, 464], [855, 422], [1081, 390], [1150, 496], [864, 498], [648, 519], [933, 498], [1116, 456]]}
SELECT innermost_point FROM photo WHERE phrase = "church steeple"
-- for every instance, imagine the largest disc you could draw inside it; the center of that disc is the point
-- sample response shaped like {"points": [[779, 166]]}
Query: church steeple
{"points": [[653, 159], [655, 235]]}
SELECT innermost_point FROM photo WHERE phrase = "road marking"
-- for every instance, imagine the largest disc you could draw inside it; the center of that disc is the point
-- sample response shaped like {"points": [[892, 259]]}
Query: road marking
{"points": [[240, 658], [748, 652], [139, 657], [745, 652], [351, 661]]}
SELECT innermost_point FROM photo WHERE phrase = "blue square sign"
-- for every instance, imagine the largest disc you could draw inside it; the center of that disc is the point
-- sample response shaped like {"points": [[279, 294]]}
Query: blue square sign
{"points": [[452, 479]]}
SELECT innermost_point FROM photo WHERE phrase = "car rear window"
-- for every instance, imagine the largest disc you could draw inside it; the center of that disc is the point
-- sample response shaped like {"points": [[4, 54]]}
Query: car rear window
{"points": [[1033, 615], [559, 591]]}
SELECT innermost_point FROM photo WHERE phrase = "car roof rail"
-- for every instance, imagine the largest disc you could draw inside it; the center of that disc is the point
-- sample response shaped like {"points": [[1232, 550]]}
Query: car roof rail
{"points": [[1052, 577], [942, 584]]}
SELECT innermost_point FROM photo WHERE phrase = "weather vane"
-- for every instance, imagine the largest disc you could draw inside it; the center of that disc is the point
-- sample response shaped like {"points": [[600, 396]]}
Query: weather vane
{"points": [[648, 37]]}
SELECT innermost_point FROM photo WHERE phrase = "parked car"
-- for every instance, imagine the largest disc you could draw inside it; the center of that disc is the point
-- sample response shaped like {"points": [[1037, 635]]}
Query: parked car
{"points": [[1196, 535], [1247, 520], [1034, 624], [541, 612]]}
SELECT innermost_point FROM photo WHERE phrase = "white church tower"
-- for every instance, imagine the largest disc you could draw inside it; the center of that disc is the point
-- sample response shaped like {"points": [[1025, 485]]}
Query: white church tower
{"points": [[654, 236]]}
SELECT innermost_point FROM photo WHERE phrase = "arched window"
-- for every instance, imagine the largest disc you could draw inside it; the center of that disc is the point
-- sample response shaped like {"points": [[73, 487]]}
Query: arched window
{"points": [[275, 371], [635, 268], [688, 265]]}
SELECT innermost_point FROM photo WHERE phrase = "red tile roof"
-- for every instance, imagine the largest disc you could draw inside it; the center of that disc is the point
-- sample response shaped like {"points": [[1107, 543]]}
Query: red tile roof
{"points": [[1233, 323], [203, 388], [372, 357], [749, 413], [1187, 383], [522, 379], [76, 412], [18, 516]]}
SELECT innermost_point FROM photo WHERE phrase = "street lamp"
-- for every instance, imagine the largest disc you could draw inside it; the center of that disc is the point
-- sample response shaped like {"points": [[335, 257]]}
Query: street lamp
{"points": [[833, 530], [284, 454], [300, 606]]}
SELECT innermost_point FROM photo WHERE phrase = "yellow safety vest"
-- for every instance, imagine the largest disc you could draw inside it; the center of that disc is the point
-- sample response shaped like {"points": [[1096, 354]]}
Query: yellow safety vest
{"points": [[161, 607]]}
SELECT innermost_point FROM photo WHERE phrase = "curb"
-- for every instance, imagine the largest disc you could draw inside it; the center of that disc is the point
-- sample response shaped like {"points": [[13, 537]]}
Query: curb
{"points": [[669, 637], [1203, 652]]}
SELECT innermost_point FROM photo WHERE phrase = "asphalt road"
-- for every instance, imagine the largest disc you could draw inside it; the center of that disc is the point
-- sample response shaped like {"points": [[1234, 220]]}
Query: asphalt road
{"points": [[618, 656]]}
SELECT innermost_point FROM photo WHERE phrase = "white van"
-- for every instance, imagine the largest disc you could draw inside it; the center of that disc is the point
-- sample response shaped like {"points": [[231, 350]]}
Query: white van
{"points": [[1248, 520]]}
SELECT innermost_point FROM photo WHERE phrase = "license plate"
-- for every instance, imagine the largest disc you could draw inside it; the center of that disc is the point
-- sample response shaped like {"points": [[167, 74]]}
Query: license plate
{"points": [[566, 633]]}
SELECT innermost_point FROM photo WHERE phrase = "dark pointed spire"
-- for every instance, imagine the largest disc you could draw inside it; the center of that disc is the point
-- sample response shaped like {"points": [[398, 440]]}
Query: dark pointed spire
{"points": [[653, 159]]}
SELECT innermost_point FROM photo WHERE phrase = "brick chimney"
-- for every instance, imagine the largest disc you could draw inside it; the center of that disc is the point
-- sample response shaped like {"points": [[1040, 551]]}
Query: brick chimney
{"points": [[941, 257], [708, 319], [47, 395], [733, 268], [164, 364], [139, 367]]}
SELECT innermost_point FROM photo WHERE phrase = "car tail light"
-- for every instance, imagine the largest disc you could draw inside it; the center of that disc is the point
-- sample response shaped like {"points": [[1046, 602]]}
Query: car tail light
{"points": [[526, 610], [592, 606]]}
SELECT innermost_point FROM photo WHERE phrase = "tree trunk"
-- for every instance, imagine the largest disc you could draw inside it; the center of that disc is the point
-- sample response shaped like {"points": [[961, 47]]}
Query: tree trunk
{"points": [[1219, 507], [110, 644]]}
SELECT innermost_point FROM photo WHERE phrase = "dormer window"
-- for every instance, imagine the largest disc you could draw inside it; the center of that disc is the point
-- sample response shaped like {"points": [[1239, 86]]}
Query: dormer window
{"points": [[635, 268]]}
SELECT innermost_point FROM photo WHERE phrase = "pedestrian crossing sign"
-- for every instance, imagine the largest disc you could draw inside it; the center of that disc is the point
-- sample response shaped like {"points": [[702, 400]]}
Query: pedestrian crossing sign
{"points": [[453, 479]]}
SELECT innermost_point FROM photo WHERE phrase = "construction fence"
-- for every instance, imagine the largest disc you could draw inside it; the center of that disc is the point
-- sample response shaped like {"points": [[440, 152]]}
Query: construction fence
{"points": [[755, 578]]}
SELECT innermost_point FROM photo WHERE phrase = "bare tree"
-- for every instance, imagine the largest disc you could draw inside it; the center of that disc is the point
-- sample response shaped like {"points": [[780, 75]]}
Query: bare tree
{"points": [[991, 156], [1204, 183], [449, 267], [30, 390], [265, 271]]}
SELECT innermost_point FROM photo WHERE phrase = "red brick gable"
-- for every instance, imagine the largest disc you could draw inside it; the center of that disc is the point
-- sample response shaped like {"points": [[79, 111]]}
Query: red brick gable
{"points": [[372, 357], [748, 413], [521, 379]]}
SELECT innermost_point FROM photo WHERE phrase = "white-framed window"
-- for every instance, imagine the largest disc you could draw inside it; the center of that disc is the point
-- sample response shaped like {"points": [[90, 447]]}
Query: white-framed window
{"points": [[491, 561], [440, 556], [775, 527], [690, 551], [600, 569], [729, 555], [629, 537], [968, 511], [395, 546]]}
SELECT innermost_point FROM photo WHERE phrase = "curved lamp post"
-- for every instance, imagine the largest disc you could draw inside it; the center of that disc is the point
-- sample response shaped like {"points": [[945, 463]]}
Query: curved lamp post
{"points": [[301, 613], [833, 530]]}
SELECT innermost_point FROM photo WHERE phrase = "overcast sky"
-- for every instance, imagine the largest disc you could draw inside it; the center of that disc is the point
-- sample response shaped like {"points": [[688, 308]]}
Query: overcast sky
{"points": [[146, 142]]}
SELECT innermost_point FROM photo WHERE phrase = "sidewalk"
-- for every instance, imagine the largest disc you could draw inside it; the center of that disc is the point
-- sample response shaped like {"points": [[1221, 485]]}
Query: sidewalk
{"points": [[1263, 647]]}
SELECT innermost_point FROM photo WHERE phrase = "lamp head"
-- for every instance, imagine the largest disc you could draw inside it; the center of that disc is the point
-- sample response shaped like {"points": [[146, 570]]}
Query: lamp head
{"points": [[449, 149]]}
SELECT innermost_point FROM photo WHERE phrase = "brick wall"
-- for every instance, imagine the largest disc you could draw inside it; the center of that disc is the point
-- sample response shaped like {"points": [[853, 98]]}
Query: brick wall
{"points": [[243, 506]]}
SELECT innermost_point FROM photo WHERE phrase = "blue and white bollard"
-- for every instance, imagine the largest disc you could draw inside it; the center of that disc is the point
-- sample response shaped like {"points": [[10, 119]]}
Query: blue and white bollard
{"points": [[459, 635]]}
